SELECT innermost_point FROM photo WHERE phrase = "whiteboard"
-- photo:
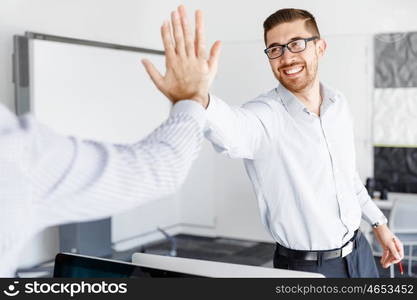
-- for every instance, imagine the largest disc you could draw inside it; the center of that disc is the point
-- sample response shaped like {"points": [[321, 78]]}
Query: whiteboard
{"points": [[103, 94], [94, 93]]}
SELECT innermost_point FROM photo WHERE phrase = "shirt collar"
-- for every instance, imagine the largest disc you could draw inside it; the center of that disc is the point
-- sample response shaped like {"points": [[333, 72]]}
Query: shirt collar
{"points": [[328, 93], [295, 107]]}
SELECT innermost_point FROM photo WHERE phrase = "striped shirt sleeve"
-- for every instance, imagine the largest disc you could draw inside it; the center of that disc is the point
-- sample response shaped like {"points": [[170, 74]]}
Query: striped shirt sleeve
{"points": [[78, 180]]}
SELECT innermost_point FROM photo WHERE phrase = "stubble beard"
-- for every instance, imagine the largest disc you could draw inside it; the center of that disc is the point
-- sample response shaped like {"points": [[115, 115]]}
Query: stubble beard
{"points": [[299, 85]]}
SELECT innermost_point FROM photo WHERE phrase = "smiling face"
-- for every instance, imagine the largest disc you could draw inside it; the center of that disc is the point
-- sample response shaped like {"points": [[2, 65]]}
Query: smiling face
{"points": [[295, 71]]}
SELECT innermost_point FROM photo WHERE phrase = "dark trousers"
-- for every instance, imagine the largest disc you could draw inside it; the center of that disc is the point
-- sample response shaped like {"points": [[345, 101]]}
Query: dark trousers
{"points": [[359, 263]]}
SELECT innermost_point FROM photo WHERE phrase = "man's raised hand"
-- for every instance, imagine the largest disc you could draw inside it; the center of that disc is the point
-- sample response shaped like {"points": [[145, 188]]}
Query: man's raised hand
{"points": [[189, 73]]}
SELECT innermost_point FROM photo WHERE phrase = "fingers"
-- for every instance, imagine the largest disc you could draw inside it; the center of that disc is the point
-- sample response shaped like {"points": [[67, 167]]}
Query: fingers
{"points": [[200, 43], [154, 74], [388, 261], [178, 34], [384, 257], [188, 39], [167, 41], [391, 260], [214, 55], [392, 254], [393, 250], [399, 246]]}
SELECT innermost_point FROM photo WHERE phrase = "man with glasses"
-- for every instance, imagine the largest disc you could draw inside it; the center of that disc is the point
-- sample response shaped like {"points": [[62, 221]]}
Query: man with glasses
{"points": [[298, 149], [295, 45]]}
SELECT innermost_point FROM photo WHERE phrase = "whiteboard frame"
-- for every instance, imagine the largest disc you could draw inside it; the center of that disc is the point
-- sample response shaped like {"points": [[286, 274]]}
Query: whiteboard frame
{"points": [[21, 61]]}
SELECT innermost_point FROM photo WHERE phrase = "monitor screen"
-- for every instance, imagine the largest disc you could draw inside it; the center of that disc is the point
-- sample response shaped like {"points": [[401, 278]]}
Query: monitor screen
{"points": [[79, 266]]}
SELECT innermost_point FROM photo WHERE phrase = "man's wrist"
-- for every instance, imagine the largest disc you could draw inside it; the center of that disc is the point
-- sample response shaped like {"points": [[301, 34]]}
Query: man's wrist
{"points": [[380, 228], [382, 221]]}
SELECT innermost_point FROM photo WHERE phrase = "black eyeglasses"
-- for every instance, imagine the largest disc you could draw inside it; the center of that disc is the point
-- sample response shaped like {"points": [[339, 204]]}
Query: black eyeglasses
{"points": [[293, 46]]}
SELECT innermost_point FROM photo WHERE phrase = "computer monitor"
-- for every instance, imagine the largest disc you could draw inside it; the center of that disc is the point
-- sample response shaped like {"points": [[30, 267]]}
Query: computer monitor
{"points": [[204, 268], [80, 266]]}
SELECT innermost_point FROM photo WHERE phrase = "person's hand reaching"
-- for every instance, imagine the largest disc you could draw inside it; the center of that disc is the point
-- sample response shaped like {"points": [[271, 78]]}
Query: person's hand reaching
{"points": [[189, 73]]}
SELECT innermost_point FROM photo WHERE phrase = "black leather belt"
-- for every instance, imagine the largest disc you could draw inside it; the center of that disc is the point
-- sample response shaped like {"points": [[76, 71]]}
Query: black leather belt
{"points": [[345, 250]]}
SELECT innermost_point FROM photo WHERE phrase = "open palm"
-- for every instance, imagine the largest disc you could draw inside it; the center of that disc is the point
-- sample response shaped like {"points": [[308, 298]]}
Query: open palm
{"points": [[189, 73]]}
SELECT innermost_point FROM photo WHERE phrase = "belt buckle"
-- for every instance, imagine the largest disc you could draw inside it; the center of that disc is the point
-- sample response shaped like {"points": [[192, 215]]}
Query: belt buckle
{"points": [[346, 250]]}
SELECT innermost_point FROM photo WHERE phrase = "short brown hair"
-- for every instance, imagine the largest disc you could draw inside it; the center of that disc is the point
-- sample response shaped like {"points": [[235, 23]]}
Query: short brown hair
{"points": [[287, 15]]}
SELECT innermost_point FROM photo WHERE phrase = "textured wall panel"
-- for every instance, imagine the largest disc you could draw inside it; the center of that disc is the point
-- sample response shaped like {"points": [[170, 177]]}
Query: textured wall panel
{"points": [[395, 117], [395, 60], [397, 168]]}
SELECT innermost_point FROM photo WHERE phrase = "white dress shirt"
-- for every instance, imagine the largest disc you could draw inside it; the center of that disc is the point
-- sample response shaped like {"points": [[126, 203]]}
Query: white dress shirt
{"points": [[48, 179], [302, 166]]}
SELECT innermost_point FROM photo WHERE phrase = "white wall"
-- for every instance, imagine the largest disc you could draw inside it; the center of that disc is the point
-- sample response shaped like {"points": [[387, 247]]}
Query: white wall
{"points": [[136, 22], [353, 75]]}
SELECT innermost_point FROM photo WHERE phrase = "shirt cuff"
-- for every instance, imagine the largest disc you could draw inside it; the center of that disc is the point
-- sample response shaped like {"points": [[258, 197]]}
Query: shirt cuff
{"points": [[211, 107], [215, 112], [191, 108], [371, 213]]}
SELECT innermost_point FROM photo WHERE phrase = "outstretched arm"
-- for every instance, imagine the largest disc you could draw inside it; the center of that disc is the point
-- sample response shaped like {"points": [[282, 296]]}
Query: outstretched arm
{"points": [[49, 179], [239, 132], [77, 180]]}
